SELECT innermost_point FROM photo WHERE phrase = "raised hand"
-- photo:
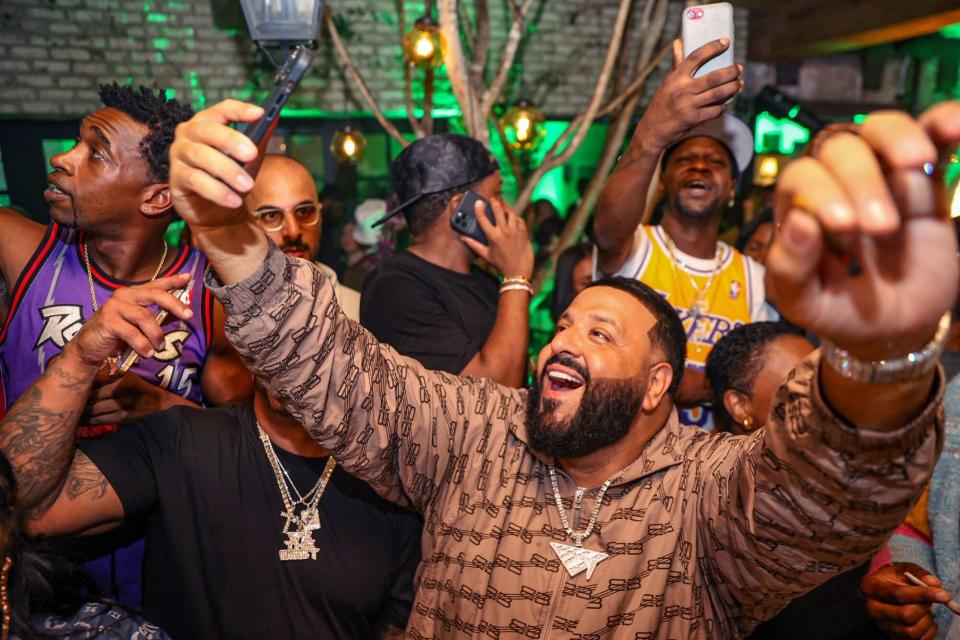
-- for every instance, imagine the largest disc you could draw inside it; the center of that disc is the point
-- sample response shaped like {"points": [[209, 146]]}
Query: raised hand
{"points": [[508, 248], [870, 193], [207, 178], [899, 608], [682, 102]]}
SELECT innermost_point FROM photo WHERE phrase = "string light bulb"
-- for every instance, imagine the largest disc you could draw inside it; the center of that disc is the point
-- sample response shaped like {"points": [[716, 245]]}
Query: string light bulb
{"points": [[348, 146], [423, 44], [768, 168], [523, 126]]}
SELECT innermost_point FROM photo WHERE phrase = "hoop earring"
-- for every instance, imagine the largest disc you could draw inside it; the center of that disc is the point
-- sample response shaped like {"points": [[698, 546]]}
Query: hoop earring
{"points": [[5, 597], [747, 424]]}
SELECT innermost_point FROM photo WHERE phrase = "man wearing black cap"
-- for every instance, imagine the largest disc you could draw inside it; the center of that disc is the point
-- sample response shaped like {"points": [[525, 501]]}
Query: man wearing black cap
{"points": [[430, 302], [701, 151]]}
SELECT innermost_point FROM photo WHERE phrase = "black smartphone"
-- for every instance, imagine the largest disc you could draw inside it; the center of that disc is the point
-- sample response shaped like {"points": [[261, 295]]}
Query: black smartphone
{"points": [[464, 219], [287, 80]]}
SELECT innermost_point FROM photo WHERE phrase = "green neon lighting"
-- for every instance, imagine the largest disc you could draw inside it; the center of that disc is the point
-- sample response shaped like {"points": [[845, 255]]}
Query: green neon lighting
{"points": [[160, 57], [146, 8], [170, 93], [778, 135], [161, 43], [394, 114], [5, 200], [951, 32], [156, 17], [793, 112], [859, 118]]}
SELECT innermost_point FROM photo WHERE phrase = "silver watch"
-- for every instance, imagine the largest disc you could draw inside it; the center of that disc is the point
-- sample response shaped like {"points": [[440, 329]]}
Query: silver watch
{"points": [[912, 365]]}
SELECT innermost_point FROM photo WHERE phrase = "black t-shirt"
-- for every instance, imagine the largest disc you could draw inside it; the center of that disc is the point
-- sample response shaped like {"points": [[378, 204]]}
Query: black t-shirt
{"points": [[214, 529], [440, 317]]}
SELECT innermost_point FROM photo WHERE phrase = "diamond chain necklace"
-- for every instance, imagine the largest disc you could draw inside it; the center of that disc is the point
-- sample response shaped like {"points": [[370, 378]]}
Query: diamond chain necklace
{"points": [[579, 536]]}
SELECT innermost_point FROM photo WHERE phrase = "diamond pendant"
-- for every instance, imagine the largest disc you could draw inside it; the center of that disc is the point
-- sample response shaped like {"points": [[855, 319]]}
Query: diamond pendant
{"points": [[300, 546], [577, 559], [310, 519]]}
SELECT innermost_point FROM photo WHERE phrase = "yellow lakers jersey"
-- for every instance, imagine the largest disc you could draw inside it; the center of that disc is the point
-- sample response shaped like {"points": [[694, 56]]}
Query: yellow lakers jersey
{"points": [[730, 293]]}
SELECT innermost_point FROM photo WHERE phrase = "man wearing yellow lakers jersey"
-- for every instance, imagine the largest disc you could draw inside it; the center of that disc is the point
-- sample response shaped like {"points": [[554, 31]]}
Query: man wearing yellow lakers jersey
{"points": [[702, 152]]}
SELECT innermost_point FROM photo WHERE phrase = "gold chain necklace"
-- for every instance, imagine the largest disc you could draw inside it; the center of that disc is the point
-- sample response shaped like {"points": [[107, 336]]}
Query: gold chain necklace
{"points": [[299, 529], [86, 261], [700, 304]]}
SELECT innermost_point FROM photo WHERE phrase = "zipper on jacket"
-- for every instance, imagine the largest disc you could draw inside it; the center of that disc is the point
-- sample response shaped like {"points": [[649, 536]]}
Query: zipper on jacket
{"points": [[555, 603]]}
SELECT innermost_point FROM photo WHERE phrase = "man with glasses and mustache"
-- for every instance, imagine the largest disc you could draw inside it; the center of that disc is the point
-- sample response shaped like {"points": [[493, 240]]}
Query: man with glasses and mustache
{"points": [[285, 204]]}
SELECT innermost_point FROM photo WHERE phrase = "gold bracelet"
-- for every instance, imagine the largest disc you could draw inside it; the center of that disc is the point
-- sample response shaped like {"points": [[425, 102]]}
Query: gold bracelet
{"points": [[515, 280], [517, 286]]}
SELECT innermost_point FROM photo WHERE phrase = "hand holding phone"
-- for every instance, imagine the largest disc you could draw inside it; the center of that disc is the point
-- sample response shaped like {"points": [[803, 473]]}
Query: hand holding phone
{"points": [[464, 219], [704, 24], [501, 239]]}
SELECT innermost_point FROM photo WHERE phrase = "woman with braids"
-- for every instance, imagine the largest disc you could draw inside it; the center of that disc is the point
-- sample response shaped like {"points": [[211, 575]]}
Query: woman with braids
{"points": [[745, 369], [40, 594]]}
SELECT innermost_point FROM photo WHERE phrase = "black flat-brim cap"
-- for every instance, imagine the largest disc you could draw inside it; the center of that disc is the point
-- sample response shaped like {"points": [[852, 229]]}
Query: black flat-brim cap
{"points": [[437, 163]]}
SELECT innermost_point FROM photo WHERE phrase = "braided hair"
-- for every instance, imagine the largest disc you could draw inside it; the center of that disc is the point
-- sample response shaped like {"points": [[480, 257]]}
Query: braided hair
{"points": [[159, 113], [737, 358]]}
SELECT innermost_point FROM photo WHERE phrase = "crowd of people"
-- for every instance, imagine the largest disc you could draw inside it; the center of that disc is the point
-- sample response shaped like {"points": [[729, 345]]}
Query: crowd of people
{"points": [[275, 430]]}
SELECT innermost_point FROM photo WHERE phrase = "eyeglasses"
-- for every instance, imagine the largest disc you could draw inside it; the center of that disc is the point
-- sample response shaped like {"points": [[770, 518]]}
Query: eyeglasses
{"points": [[272, 219]]}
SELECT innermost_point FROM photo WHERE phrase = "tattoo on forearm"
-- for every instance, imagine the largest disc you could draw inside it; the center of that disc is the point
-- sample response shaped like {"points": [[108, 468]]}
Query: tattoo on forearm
{"points": [[37, 435], [85, 480]]}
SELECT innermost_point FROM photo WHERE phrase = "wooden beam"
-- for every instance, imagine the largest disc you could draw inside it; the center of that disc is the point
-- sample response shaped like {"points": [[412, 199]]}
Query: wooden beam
{"points": [[806, 28]]}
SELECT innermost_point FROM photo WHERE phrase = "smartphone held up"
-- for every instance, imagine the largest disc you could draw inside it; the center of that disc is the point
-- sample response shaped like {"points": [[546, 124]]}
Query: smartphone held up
{"points": [[706, 23], [294, 69]]}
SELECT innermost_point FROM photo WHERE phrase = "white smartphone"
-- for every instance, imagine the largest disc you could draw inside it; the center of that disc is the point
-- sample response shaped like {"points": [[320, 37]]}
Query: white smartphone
{"points": [[706, 23]]}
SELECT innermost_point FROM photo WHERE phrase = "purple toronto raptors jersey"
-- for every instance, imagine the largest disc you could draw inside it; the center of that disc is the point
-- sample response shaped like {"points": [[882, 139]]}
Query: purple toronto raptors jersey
{"points": [[51, 301]]}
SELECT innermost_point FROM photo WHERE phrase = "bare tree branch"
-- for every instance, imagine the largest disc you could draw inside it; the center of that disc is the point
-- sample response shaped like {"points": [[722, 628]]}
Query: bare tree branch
{"points": [[509, 54], [481, 45], [550, 160], [459, 73], [362, 87], [575, 224], [511, 156], [427, 120], [407, 75]]}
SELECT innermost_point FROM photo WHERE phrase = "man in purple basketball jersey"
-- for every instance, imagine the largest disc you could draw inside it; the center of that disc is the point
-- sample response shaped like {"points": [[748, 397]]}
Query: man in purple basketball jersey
{"points": [[110, 206]]}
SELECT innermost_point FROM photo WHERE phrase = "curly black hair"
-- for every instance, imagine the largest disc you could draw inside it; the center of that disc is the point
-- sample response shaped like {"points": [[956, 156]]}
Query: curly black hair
{"points": [[737, 358], [156, 111]]}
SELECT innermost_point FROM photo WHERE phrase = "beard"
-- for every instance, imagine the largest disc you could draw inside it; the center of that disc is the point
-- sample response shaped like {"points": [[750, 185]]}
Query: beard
{"points": [[699, 211], [606, 411]]}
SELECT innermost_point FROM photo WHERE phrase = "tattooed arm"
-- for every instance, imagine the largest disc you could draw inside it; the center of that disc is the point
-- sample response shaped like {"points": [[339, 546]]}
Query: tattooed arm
{"points": [[60, 489]]}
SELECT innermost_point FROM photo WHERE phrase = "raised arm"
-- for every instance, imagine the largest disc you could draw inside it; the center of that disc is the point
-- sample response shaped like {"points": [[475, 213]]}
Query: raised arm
{"points": [[60, 489], [387, 419], [842, 460], [679, 104], [503, 357]]}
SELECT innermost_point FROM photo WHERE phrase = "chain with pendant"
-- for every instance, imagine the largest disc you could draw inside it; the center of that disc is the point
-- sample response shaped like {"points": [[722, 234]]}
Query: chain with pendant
{"points": [[577, 559], [299, 526], [700, 303]]}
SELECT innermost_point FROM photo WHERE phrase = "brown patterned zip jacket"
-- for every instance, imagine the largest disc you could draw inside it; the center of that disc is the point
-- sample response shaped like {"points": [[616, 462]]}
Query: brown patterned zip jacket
{"points": [[708, 535]]}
